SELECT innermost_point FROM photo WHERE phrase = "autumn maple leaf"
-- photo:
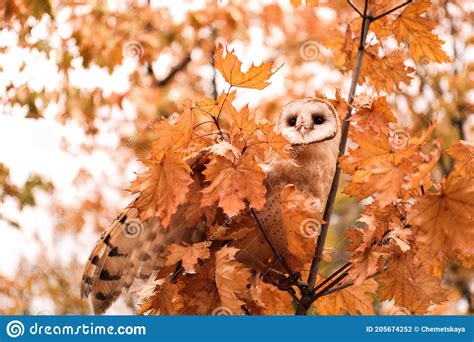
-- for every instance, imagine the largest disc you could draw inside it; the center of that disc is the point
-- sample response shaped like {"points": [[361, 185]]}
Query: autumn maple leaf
{"points": [[445, 218], [163, 187], [413, 29], [188, 255], [233, 184], [230, 67]]}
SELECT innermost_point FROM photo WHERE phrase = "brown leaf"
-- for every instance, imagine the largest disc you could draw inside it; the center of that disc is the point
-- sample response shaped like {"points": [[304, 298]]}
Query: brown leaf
{"points": [[407, 282]]}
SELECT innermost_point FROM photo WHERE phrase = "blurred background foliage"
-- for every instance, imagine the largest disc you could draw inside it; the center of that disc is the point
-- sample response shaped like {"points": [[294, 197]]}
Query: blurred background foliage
{"points": [[165, 54]]}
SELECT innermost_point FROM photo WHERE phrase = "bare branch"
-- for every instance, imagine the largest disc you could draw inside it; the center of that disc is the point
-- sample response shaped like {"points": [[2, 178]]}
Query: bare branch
{"points": [[280, 258], [355, 8], [328, 279], [179, 67]]}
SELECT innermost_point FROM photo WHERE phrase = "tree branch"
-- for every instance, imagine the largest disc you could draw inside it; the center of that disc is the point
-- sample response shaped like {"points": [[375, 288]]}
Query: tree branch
{"points": [[177, 68], [367, 19], [280, 257]]}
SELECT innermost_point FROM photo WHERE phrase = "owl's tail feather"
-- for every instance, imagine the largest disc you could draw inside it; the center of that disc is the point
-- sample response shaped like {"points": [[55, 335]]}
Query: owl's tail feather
{"points": [[128, 250]]}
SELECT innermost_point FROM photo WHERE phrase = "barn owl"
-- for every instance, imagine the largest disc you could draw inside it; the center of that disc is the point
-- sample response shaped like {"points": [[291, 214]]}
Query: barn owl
{"points": [[310, 125]]}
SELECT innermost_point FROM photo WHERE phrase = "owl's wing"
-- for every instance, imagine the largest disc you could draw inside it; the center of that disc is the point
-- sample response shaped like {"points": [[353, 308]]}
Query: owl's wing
{"points": [[131, 250]]}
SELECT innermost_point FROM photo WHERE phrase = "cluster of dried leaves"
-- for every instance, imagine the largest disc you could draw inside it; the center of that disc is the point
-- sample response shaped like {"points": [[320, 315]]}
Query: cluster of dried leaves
{"points": [[419, 221], [413, 226]]}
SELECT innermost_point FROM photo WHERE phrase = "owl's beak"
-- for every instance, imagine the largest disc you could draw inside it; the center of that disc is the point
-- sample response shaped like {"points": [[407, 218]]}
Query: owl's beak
{"points": [[303, 129]]}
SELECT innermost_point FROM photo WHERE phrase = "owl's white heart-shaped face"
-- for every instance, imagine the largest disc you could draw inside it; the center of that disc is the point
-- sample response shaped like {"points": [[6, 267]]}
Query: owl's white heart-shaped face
{"points": [[308, 121]]}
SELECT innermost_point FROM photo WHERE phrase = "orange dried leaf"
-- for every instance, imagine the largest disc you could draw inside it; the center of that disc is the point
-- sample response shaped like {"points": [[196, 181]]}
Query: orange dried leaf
{"points": [[255, 77], [416, 31], [163, 187], [301, 216], [446, 218], [409, 284], [232, 279], [354, 300], [189, 255], [234, 184]]}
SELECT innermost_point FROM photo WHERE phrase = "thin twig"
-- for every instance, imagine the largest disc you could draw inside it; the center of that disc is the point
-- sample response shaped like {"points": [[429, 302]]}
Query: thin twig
{"points": [[301, 284], [346, 285], [328, 279], [280, 257], [342, 148], [181, 66], [391, 10], [355, 8]]}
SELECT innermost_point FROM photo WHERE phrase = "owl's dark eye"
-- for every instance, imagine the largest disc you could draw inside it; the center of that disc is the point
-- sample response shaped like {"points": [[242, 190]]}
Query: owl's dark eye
{"points": [[292, 121], [318, 119]]}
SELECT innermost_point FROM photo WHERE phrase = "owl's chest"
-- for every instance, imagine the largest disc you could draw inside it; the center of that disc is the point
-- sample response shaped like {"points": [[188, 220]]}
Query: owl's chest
{"points": [[312, 178]]}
